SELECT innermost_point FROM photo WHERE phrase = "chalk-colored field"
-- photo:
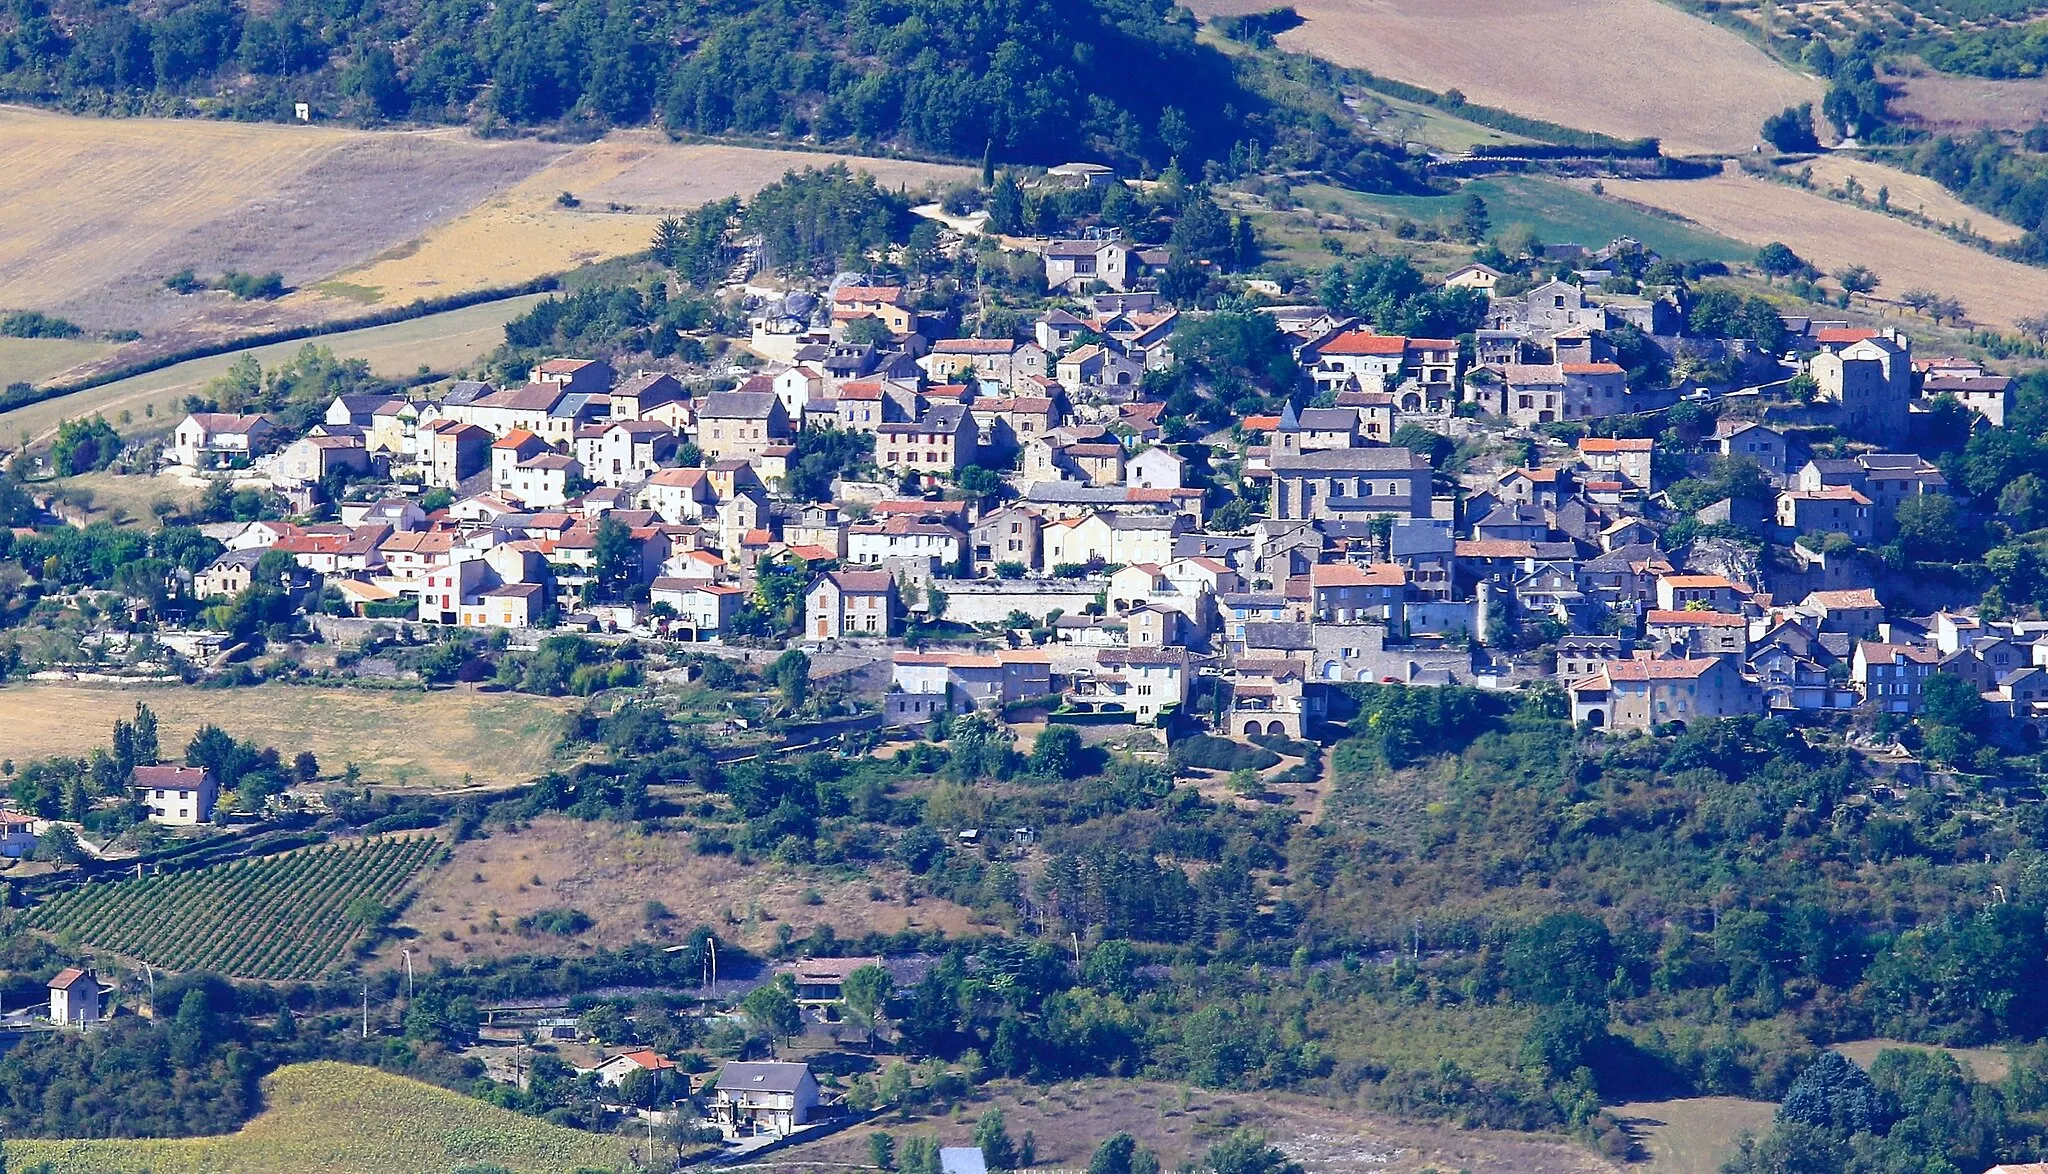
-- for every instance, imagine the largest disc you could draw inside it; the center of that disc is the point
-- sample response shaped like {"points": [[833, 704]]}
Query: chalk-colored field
{"points": [[1831, 235], [1669, 75], [429, 740], [623, 185], [101, 210], [439, 342], [1909, 193]]}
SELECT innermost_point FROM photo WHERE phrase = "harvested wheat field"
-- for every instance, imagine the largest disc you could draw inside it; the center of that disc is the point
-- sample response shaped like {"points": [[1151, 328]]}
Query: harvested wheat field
{"points": [[470, 907], [101, 210], [1964, 105], [1909, 193], [427, 740], [1831, 235], [1697, 87], [623, 185], [1179, 1123]]}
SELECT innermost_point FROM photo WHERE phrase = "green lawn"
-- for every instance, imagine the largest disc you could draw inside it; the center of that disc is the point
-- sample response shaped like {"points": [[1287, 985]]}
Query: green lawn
{"points": [[32, 360], [1557, 212], [1414, 122]]}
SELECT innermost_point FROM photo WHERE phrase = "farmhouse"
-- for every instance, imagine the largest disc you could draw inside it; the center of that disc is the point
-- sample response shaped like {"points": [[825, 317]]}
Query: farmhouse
{"points": [[763, 1097], [75, 997], [181, 796], [206, 438]]}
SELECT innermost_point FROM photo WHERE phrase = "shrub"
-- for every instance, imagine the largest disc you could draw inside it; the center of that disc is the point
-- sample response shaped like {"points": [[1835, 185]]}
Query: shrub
{"points": [[559, 922], [1212, 753]]}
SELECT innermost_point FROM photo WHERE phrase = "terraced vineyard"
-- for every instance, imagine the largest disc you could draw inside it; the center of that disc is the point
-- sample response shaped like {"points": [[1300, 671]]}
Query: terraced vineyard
{"points": [[284, 917]]}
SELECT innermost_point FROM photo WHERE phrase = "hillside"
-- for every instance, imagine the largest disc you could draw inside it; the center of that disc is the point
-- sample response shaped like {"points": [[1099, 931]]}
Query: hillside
{"points": [[1696, 87], [1030, 81], [330, 1118]]}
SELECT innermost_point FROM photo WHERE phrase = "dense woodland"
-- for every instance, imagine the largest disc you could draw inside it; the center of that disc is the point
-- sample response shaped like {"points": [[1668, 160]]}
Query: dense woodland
{"points": [[1024, 80]]}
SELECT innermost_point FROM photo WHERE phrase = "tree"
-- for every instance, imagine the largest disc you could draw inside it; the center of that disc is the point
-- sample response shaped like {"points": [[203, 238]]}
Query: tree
{"points": [[866, 992], [868, 330], [146, 751], [617, 560], [1058, 753], [772, 1008], [1566, 958], [1918, 299], [1949, 700], [2034, 326], [1857, 279], [192, 1032], [1833, 1094], [1777, 260], [434, 1016], [1473, 218], [1246, 1152], [1791, 130], [1424, 442], [2025, 502], [881, 1150], [993, 1136], [1114, 1155], [791, 673], [84, 446], [374, 79], [1930, 528], [1006, 205]]}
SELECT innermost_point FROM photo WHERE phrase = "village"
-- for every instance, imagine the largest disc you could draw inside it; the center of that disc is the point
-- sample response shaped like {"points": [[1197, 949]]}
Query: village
{"points": [[1028, 531]]}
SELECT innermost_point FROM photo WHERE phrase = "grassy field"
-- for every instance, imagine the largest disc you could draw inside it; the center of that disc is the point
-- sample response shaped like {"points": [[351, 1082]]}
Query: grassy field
{"points": [[611, 874], [1557, 212], [1414, 122], [1694, 1135], [34, 360], [1990, 1064], [1178, 1123], [1909, 193], [623, 184], [328, 1118], [126, 500], [291, 917], [1695, 86], [440, 342], [410, 739], [1831, 235]]}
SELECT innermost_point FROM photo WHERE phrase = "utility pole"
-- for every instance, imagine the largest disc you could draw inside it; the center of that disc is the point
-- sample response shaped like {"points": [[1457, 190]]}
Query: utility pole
{"points": [[714, 966], [366, 1010], [408, 975]]}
